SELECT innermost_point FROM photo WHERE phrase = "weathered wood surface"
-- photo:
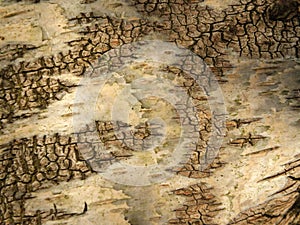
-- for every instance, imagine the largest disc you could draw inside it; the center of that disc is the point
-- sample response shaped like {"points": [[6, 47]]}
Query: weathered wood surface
{"points": [[253, 49]]}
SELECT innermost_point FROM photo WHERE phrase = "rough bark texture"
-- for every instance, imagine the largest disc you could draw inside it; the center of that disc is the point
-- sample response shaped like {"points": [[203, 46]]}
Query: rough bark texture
{"points": [[251, 46]]}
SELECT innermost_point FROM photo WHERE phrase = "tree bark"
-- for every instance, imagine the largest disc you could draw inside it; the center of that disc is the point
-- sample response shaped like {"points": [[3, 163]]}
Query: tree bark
{"points": [[52, 172]]}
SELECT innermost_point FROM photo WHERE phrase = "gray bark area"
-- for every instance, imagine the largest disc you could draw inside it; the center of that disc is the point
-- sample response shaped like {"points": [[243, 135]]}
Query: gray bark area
{"points": [[49, 172]]}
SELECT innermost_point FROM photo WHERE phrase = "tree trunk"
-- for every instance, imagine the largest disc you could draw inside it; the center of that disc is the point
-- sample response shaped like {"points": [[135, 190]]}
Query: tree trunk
{"points": [[98, 97]]}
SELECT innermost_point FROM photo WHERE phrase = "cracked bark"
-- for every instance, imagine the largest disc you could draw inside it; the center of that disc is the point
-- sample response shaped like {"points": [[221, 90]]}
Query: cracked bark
{"points": [[251, 46]]}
